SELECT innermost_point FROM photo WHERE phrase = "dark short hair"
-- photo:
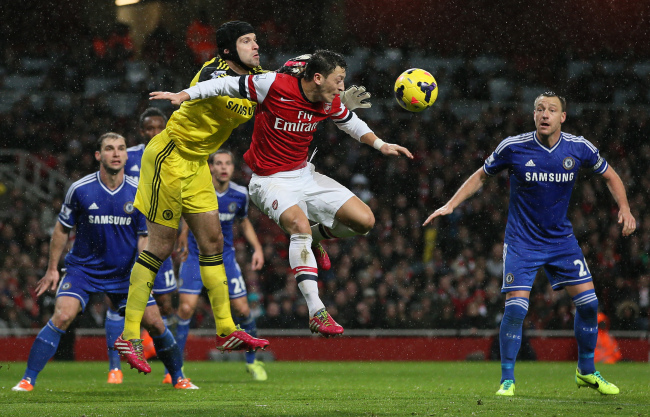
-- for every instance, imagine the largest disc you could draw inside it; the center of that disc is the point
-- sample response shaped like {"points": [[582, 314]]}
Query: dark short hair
{"points": [[107, 135], [552, 94], [220, 151], [323, 62], [151, 112]]}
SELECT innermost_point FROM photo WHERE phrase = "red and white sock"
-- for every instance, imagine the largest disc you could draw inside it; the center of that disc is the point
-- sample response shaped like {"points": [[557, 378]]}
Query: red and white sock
{"points": [[338, 230], [304, 268]]}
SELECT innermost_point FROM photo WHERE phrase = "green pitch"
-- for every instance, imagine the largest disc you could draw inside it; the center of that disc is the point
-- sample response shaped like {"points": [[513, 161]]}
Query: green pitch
{"points": [[325, 389]]}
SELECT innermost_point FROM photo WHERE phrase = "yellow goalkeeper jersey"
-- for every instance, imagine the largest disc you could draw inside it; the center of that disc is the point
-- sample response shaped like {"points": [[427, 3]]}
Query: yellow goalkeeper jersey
{"points": [[199, 127]]}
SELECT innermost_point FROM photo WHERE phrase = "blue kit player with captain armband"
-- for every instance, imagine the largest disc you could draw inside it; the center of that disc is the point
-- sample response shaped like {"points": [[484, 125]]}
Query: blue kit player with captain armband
{"points": [[543, 166]]}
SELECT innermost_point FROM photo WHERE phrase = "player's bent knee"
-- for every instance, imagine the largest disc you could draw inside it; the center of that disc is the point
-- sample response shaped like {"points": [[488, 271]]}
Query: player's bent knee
{"points": [[297, 225], [365, 222], [185, 311], [63, 320], [209, 244]]}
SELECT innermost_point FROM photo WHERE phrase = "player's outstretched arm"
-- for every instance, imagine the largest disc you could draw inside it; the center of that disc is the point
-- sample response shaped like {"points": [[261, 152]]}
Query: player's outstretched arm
{"points": [[258, 253], [469, 187], [224, 86], [176, 98], [617, 189], [386, 148], [57, 244]]}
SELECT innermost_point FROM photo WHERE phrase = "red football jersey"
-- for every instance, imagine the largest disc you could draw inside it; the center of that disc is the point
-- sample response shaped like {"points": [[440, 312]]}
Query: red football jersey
{"points": [[285, 121]]}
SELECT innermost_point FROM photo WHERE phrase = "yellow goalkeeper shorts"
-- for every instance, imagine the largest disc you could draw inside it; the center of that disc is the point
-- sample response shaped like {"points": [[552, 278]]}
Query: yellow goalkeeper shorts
{"points": [[171, 185]]}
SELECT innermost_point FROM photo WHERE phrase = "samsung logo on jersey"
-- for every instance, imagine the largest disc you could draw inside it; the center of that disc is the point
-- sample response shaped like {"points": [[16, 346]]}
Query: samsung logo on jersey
{"points": [[240, 109], [118, 220], [294, 127], [549, 177], [226, 217]]}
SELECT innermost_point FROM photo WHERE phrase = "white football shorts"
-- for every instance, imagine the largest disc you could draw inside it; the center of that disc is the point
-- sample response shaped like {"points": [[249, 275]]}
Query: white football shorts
{"points": [[317, 195]]}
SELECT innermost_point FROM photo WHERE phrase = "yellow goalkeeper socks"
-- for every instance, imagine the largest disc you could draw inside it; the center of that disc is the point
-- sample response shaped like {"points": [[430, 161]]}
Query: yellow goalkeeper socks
{"points": [[142, 276], [215, 281]]}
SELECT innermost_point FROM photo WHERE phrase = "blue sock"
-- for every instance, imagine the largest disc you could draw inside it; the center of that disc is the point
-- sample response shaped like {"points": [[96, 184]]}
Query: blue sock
{"points": [[114, 325], [169, 354], [182, 330], [164, 319], [586, 330], [250, 327], [510, 335], [43, 349]]}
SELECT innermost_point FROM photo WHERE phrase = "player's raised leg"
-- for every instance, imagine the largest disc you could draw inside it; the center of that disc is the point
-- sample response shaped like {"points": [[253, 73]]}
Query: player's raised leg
{"points": [[304, 267], [206, 228], [47, 341], [352, 219], [586, 332]]}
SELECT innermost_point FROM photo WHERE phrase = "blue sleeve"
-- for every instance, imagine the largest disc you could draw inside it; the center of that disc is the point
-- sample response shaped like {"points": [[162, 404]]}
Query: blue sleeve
{"points": [[591, 158], [69, 210], [497, 162], [141, 222]]}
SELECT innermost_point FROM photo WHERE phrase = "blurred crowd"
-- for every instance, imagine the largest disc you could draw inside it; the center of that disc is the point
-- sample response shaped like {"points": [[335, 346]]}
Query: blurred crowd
{"points": [[399, 276]]}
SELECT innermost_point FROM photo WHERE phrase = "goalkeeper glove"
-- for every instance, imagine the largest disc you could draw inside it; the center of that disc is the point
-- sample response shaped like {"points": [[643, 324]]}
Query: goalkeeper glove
{"points": [[294, 66], [356, 98]]}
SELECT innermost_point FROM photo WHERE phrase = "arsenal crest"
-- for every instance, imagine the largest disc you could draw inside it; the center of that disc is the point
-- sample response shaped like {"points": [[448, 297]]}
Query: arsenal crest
{"points": [[327, 107]]}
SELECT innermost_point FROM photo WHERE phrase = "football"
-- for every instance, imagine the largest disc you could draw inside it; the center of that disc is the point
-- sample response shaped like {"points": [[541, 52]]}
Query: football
{"points": [[416, 89]]}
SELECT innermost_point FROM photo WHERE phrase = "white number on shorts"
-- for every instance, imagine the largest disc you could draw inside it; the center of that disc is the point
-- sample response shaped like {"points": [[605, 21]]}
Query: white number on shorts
{"points": [[584, 269], [170, 280], [239, 284]]}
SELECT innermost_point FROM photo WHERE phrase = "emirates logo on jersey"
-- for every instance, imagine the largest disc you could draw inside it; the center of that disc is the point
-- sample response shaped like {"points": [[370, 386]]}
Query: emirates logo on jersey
{"points": [[298, 126]]}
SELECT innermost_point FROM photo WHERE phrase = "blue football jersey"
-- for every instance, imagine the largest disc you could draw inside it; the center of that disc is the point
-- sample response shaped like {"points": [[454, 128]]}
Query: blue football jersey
{"points": [[106, 243], [233, 203], [134, 163], [541, 181]]}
